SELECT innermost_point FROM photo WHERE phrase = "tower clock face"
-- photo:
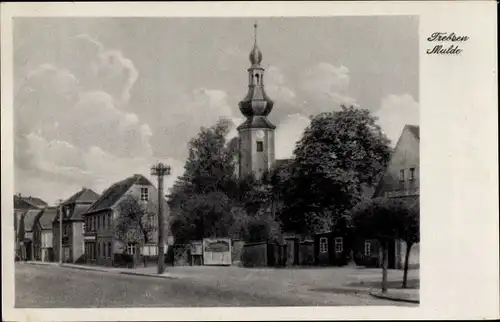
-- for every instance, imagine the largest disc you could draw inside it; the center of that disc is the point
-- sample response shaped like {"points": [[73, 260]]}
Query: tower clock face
{"points": [[260, 134]]}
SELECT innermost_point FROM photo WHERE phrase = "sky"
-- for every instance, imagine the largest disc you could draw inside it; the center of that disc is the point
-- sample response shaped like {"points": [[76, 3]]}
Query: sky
{"points": [[99, 99]]}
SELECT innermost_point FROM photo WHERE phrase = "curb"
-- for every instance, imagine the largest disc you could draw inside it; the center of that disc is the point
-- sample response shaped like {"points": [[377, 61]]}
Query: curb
{"points": [[147, 275], [86, 268], [393, 298], [83, 268]]}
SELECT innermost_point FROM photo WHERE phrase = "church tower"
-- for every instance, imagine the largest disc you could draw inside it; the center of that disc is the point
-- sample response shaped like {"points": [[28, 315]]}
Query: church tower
{"points": [[256, 134]]}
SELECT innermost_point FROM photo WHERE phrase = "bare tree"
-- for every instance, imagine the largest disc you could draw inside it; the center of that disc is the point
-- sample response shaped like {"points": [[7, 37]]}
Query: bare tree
{"points": [[134, 224]]}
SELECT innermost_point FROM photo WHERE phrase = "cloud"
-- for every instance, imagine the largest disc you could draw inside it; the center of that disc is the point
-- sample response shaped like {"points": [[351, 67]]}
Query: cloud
{"points": [[395, 112], [70, 128], [201, 107], [288, 132], [67, 168], [46, 91], [99, 68], [324, 88], [96, 120]]}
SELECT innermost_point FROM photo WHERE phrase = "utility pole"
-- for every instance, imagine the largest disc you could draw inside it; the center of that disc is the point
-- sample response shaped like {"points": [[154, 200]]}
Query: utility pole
{"points": [[60, 231], [160, 170]]}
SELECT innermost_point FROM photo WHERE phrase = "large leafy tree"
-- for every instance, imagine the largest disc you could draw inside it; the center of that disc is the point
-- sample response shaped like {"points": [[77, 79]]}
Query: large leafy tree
{"points": [[339, 153], [202, 198], [386, 220]]}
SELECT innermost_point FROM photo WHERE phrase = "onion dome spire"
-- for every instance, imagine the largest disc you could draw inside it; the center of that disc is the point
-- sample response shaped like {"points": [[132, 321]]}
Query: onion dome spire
{"points": [[255, 54]]}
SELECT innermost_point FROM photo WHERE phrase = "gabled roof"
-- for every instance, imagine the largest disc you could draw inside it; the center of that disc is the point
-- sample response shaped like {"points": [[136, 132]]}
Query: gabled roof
{"points": [[79, 210], [29, 218], [28, 202], [83, 196], [414, 129], [114, 193], [47, 216]]}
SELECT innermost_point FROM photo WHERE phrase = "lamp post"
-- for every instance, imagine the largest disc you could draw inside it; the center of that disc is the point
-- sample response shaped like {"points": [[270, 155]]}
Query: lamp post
{"points": [[60, 231], [160, 170]]}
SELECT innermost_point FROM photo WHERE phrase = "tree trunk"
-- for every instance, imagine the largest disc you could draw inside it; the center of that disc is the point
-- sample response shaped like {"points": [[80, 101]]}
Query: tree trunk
{"points": [[407, 259], [385, 259]]}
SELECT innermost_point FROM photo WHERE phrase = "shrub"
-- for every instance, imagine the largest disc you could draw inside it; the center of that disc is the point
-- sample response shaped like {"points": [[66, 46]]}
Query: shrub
{"points": [[123, 259]]}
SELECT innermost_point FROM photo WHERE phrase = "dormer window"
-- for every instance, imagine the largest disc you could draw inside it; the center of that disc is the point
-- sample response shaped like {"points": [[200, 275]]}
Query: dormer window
{"points": [[144, 194]]}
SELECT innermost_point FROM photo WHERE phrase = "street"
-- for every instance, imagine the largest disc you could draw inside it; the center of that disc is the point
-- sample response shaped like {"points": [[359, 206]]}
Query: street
{"points": [[59, 287]]}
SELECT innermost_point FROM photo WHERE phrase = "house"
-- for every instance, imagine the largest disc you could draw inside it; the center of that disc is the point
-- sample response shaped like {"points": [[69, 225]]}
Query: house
{"points": [[27, 202], [400, 180], [72, 228], [42, 235], [101, 245], [25, 233], [21, 205]]}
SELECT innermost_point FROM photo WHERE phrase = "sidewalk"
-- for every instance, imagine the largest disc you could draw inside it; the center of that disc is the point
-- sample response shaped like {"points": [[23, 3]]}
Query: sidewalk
{"points": [[115, 270]]}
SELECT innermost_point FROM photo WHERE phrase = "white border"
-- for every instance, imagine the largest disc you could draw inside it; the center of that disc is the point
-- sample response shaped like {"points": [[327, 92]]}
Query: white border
{"points": [[459, 160]]}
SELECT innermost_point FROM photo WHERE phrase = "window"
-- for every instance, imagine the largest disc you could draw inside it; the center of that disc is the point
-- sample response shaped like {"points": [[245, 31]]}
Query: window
{"points": [[144, 194], [131, 249], [402, 175], [83, 227], [98, 249], [65, 230], [368, 248], [109, 220], [412, 173], [260, 146], [109, 249], [339, 245], [323, 245]]}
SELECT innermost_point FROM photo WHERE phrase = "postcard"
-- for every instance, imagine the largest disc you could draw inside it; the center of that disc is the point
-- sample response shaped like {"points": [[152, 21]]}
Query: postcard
{"points": [[249, 161]]}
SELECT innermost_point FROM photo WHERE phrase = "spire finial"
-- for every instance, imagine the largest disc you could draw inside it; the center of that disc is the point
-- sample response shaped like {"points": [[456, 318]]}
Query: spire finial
{"points": [[255, 54], [255, 25]]}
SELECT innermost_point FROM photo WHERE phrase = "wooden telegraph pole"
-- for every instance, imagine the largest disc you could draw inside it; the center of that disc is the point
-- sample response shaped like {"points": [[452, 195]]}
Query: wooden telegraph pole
{"points": [[160, 170], [60, 231]]}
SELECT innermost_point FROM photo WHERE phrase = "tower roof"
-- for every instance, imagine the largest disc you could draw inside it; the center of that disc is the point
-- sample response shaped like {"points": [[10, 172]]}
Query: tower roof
{"points": [[256, 105], [255, 54]]}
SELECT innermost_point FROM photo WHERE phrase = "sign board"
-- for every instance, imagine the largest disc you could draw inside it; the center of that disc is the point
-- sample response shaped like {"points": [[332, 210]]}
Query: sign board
{"points": [[217, 251]]}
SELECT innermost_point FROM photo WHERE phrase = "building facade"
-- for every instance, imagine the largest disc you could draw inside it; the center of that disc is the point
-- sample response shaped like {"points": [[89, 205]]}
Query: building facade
{"points": [[256, 134], [25, 233], [401, 180], [42, 235], [100, 241], [21, 205], [73, 247]]}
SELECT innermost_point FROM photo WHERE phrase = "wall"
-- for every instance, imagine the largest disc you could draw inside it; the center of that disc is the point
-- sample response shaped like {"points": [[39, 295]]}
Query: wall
{"points": [[406, 155], [306, 253], [237, 251], [47, 241], [414, 261], [250, 159], [78, 244], [254, 255]]}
